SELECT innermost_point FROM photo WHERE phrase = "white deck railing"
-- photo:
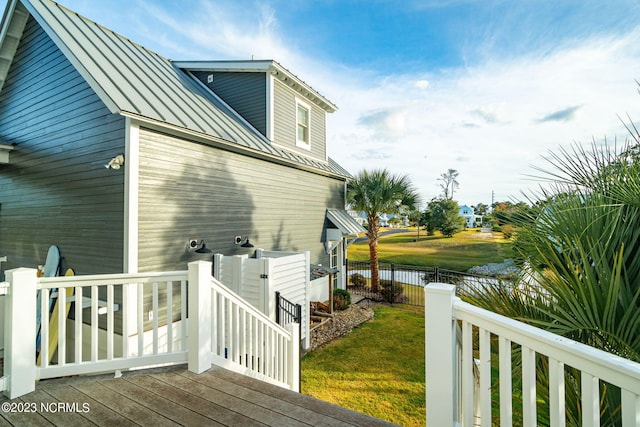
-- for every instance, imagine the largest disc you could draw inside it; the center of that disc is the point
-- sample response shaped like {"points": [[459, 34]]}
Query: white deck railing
{"points": [[109, 328], [458, 381]]}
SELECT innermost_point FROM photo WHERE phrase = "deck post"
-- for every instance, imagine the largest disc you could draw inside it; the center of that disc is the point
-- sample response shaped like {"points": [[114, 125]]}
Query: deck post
{"points": [[20, 332], [199, 318], [439, 354], [294, 356]]}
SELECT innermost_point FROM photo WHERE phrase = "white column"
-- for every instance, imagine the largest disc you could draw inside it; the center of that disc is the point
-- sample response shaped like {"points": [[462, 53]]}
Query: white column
{"points": [[131, 198], [199, 320], [20, 332], [439, 354]]}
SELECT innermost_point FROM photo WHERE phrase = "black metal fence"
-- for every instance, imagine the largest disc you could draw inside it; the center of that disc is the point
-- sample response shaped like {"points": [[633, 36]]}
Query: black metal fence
{"points": [[286, 311], [405, 283]]}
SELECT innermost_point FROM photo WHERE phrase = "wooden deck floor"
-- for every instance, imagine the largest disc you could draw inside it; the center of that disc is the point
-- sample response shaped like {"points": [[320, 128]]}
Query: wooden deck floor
{"points": [[172, 396]]}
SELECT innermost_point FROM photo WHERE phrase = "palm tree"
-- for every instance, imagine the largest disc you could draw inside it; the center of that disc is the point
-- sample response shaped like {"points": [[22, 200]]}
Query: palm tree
{"points": [[376, 192]]}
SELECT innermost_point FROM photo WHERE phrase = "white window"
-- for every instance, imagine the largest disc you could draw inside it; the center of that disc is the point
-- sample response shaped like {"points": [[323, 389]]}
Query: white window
{"points": [[303, 124], [333, 260]]}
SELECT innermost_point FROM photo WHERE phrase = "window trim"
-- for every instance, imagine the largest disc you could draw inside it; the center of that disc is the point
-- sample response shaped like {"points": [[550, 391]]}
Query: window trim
{"points": [[299, 142]]}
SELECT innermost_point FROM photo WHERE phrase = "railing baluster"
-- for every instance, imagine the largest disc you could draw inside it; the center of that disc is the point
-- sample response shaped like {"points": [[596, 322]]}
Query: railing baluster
{"points": [[467, 374], [94, 323], [249, 333], [169, 348], [183, 313], [215, 331], [140, 309], [630, 409], [62, 326], [236, 333], [125, 320], [506, 412], [529, 413], [556, 393], [78, 324], [44, 328], [154, 310], [110, 302], [485, 376], [590, 388], [223, 328]]}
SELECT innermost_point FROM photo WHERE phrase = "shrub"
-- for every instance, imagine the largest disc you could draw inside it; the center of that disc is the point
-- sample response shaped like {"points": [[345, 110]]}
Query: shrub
{"points": [[508, 230], [357, 279], [341, 299], [391, 294]]}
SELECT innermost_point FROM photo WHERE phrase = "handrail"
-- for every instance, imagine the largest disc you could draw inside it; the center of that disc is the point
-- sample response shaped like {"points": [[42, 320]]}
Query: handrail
{"points": [[109, 279]]}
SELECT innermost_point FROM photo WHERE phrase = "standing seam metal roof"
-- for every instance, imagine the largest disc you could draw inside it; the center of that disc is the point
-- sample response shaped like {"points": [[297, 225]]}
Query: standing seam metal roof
{"points": [[345, 223], [132, 79]]}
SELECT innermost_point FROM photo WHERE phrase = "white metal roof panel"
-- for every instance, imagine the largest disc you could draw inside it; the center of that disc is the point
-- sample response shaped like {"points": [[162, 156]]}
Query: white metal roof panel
{"points": [[344, 222]]}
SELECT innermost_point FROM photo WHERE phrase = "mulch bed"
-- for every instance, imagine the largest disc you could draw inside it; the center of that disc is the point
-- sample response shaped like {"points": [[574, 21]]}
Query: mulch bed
{"points": [[341, 324]]}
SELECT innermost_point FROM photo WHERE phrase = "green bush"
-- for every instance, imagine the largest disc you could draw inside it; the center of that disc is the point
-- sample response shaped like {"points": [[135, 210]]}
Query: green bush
{"points": [[508, 231], [357, 279], [496, 227], [388, 293], [341, 299]]}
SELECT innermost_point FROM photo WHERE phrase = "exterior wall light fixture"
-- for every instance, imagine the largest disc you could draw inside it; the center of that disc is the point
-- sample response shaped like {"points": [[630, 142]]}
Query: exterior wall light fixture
{"points": [[243, 241], [198, 246], [116, 162]]}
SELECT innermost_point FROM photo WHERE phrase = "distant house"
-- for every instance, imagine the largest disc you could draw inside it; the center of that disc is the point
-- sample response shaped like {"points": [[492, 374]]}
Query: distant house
{"points": [[386, 220], [129, 161], [359, 216], [470, 218]]}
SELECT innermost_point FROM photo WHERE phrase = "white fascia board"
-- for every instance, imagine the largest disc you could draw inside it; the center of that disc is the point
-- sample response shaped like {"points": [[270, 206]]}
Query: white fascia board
{"points": [[301, 87]]}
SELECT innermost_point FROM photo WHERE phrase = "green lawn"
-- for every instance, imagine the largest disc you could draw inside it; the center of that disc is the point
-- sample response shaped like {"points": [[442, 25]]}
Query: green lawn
{"points": [[459, 253], [378, 369]]}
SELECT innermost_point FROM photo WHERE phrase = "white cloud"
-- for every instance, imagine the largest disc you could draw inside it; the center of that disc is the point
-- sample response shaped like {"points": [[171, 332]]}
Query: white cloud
{"points": [[421, 84], [485, 121]]}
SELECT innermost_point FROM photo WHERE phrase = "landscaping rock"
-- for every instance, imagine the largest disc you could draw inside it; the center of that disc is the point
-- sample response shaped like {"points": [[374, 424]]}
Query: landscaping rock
{"points": [[341, 324], [504, 270]]}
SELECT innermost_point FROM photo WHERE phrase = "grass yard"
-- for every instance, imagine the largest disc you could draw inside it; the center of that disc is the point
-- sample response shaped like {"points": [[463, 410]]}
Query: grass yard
{"points": [[459, 253], [378, 369]]}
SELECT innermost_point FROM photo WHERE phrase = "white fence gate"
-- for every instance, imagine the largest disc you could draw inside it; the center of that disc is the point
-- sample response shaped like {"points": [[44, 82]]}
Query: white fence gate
{"points": [[258, 279]]}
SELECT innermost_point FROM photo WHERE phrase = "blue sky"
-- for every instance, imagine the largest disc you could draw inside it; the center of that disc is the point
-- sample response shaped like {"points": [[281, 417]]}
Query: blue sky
{"points": [[486, 87]]}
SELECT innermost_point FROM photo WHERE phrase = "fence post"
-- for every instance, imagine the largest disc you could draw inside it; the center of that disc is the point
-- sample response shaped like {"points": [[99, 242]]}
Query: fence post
{"points": [[199, 317], [20, 332], [278, 307], [393, 283], [439, 362], [298, 314], [294, 356]]}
